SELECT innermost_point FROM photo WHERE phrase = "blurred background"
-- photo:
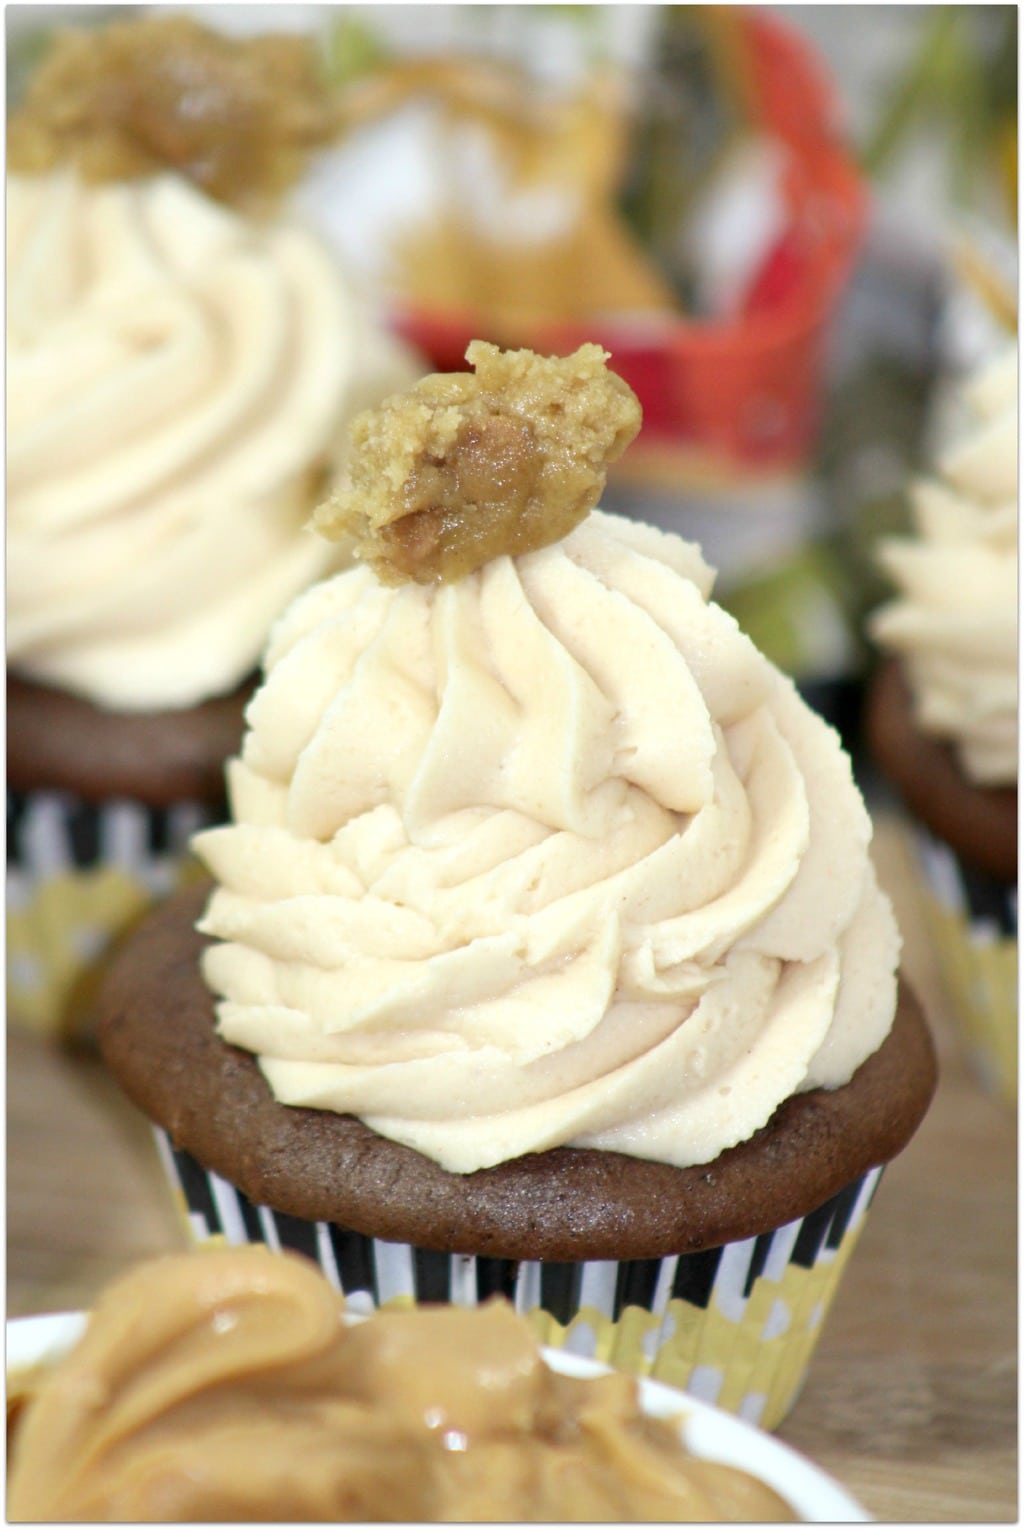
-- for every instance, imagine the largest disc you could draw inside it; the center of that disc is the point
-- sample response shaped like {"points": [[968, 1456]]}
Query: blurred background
{"points": [[793, 227]]}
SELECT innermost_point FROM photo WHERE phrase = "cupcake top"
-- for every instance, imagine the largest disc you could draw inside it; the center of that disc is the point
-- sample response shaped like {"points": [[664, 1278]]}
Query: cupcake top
{"points": [[953, 623], [180, 374], [544, 854], [231, 1388]]}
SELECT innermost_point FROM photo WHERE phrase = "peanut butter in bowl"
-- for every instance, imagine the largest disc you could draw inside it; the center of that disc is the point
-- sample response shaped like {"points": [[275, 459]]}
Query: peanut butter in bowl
{"points": [[229, 1384]]}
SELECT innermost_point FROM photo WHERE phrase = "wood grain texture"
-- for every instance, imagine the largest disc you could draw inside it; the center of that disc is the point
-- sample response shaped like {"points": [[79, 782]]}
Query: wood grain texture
{"points": [[911, 1398]]}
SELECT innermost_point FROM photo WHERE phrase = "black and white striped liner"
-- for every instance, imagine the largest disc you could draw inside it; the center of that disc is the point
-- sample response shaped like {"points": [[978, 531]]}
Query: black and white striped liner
{"points": [[973, 921], [77, 874], [988, 904], [52, 833], [371, 1272]]}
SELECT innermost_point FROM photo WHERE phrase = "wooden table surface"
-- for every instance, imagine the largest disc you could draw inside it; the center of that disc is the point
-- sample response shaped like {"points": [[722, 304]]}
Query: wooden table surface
{"points": [[911, 1397]]}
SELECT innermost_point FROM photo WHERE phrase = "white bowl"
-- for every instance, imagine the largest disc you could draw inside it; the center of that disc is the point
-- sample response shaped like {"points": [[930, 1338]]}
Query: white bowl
{"points": [[715, 1435], [706, 1431]]}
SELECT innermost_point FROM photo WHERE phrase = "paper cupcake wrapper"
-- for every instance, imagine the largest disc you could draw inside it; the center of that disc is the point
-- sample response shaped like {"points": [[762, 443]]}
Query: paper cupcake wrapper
{"points": [[972, 922], [734, 1325], [78, 877]]}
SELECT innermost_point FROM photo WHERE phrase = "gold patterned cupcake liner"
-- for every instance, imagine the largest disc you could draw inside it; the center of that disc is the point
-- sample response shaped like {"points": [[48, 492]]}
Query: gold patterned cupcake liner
{"points": [[79, 876], [735, 1325], [972, 925]]}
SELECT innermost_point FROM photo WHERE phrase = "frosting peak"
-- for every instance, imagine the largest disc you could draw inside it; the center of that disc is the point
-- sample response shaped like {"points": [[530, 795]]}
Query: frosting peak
{"points": [[547, 855]]}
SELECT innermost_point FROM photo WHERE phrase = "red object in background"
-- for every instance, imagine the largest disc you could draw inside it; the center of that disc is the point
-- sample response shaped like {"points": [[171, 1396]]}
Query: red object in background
{"points": [[745, 391]]}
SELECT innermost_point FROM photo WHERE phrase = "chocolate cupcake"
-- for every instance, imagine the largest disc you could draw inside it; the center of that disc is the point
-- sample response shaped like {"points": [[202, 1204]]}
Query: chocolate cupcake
{"points": [[182, 363], [545, 953], [942, 713]]}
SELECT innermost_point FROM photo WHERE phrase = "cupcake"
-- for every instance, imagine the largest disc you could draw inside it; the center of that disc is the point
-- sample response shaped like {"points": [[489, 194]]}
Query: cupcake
{"points": [[942, 714], [181, 368], [545, 956], [231, 1387]]}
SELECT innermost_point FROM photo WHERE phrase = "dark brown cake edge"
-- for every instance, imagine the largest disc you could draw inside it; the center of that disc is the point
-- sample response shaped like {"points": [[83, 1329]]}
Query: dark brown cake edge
{"points": [[979, 823], [156, 1032], [60, 742]]}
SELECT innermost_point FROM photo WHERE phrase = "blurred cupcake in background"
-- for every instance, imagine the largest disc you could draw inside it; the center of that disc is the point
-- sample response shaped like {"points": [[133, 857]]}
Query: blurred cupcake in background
{"points": [[942, 713], [182, 363]]}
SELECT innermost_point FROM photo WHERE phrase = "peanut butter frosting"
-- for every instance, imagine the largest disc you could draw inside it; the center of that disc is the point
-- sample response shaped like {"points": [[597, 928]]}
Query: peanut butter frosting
{"points": [[179, 381], [953, 622], [225, 1385], [550, 854]]}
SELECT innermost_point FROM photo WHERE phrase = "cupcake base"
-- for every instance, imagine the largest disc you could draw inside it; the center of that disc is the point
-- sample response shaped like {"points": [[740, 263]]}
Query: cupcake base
{"points": [[972, 924], [715, 1278], [965, 838], [978, 823], [79, 877], [734, 1325], [100, 810]]}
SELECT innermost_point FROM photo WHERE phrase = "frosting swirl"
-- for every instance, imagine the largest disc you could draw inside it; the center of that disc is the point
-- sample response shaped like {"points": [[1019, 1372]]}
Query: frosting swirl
{"points": [[551, 855], [954, 621], [179, 380]]}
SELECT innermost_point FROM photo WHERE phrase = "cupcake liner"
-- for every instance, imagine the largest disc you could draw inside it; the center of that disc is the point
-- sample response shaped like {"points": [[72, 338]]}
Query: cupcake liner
{"points": [[79, 875], [734, 1325], [972, 922]]}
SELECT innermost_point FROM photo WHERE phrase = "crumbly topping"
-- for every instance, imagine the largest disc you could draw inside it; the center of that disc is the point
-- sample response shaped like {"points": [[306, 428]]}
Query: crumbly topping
{"points": [[468, 466], [239, 117]]}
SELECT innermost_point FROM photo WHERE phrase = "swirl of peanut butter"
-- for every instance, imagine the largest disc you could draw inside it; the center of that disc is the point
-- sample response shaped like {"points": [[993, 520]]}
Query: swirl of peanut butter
{"points": [[180, 381], [954, 619], [224, 1385], [550, 854]]}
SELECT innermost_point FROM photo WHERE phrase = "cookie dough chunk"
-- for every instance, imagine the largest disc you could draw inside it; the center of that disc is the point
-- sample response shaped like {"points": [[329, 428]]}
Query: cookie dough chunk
{"points": [[238, 116], [469, 466]]}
